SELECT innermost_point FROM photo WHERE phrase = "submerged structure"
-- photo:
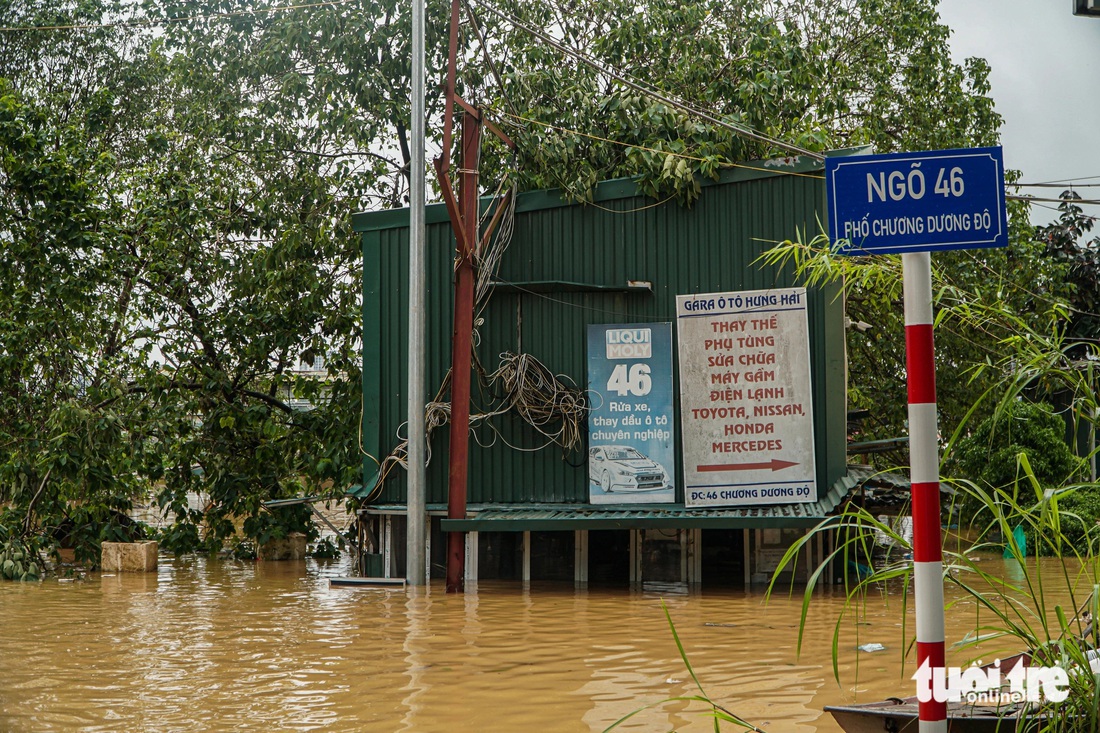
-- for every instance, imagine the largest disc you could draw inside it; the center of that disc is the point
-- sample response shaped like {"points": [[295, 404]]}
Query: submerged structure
{"points": [[651, 403]]}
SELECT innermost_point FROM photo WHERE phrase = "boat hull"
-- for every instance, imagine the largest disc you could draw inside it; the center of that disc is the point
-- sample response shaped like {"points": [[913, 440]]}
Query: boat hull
{"points": [[900, 716]]}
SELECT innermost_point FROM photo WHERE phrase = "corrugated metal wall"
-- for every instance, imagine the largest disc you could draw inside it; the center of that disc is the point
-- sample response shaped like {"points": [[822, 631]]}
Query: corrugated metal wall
{"points": [[709, 247]]}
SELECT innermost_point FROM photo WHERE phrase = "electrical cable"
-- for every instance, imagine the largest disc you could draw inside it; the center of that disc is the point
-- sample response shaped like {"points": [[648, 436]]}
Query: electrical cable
{"points": [[485, 53], [741, 130], [1062, 181], [544, 400], [723, 164], [1089, 202], [1070, 186]]}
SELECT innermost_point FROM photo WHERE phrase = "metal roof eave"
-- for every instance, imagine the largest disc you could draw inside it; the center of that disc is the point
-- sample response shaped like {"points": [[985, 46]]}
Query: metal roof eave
{"points": [[564, 519]]}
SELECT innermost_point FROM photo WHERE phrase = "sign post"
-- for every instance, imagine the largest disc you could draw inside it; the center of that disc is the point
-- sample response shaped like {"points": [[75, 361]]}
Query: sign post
{"points": [[914, 204]]}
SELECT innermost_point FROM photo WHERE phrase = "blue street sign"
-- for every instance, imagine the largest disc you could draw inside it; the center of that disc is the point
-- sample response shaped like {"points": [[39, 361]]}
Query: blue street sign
{"points": [[917, 202]]}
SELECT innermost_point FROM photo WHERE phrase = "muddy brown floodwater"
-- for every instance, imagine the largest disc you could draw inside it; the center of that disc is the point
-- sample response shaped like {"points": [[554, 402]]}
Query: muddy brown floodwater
{"points": [[205, 645]]}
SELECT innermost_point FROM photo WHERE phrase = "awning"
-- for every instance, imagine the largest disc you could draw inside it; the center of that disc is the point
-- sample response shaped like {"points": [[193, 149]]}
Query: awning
{"points": [[571, 517], [523, 520]]}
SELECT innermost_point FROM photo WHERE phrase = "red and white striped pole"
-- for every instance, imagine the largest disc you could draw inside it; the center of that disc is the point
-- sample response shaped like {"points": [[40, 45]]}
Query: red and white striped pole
{"points": [[924, 471]]}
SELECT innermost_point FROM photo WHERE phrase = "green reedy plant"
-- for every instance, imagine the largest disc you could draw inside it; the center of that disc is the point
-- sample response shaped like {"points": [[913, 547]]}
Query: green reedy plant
{"points": [[1023, 612], [1007, 342], [717, 712]]}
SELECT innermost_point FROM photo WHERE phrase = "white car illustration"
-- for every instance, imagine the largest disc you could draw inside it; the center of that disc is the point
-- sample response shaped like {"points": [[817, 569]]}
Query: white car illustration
{"points": [[622, 468]]}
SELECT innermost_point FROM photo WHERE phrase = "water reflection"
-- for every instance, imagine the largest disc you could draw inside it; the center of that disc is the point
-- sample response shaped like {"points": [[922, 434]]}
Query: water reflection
{"points": [[211, 646], [417, 646]]}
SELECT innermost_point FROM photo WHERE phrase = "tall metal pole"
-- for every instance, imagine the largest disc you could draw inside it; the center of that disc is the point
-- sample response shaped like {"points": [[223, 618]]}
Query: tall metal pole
{"points": [[462, 347], [415, 536], [924, 467]]}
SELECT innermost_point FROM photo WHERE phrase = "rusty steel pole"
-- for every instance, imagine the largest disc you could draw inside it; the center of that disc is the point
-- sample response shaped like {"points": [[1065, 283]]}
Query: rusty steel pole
{"points": [[462, 349]]}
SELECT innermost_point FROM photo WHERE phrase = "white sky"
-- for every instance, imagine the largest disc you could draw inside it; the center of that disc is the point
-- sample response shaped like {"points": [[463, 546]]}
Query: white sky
{"points": [[1045, 77]]}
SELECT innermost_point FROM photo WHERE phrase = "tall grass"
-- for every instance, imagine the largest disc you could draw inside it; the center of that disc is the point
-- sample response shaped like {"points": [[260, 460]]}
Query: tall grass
{"points": [[717, 712], [1030, 353], [1027, 612]]}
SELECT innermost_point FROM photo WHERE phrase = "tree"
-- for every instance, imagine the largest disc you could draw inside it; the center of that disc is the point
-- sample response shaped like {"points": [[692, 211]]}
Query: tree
{"points": [[818, 75], [176, 187], [173, 265], [1080, 260], [58, 335], [989, 455]]}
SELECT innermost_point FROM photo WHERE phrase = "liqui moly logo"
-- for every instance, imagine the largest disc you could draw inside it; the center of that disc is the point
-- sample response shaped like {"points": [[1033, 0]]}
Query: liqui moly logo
{"points": [[629, 343]]}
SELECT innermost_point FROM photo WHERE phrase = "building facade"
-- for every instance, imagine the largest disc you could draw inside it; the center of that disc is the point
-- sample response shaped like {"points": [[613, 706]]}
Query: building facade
{"points": [[536, 510]]}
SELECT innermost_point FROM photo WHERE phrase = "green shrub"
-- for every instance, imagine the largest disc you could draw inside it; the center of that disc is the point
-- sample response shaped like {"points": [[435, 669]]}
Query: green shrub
{"points": [[20, 561], [325, 549], [990, 455], [1079, 512], [1022, 453]]}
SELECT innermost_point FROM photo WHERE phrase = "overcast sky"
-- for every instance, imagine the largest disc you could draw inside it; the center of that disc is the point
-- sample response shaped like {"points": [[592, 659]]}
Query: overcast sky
{"points": [[1045, 77]]}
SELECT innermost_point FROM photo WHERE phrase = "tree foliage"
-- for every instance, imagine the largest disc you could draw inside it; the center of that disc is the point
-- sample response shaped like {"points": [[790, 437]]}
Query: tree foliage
{"points": [[819, 75], [990, 453], [176, 182], [1065, 245], [177, 251]]}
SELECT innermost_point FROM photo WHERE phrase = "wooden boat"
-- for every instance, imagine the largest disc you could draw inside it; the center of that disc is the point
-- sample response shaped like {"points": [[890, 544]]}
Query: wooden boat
{"points": [[900, 716], [896, 715]]}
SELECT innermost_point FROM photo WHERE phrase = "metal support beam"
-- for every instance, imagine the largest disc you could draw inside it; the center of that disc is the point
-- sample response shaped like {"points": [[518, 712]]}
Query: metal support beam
{"points": [[526, 557], [809, 556], [636, 539], [580, 557], [449, 88], [415, 545], [695, 556], [821, 558], [387, 546], [471, 557], [747, 551]]}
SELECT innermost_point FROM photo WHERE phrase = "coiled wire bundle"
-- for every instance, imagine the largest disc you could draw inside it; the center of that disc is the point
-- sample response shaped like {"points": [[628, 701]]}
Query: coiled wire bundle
{"points": [[544, 401]]}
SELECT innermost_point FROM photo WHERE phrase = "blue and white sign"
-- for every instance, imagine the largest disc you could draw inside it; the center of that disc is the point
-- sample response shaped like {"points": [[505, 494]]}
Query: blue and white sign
{"points": [[631, 458], [917, 202]]}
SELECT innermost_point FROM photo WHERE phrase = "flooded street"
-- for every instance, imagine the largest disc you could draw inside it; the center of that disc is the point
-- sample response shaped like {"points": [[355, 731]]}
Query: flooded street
{"points": [[205, 645]]}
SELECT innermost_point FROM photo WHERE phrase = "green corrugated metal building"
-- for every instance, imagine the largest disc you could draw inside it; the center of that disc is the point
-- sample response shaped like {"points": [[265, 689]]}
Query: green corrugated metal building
{"points": [[569, 265]]}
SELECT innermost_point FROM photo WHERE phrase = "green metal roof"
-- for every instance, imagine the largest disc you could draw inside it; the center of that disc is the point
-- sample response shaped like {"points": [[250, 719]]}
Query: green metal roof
{"points": [[652, 517]]}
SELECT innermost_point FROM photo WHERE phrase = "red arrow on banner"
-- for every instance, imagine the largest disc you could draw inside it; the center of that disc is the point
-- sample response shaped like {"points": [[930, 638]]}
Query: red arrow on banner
{"points": [[774, 464]]}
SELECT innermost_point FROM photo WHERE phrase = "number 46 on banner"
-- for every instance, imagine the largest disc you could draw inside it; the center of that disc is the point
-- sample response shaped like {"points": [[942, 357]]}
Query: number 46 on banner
{"points": [[634, 380]]}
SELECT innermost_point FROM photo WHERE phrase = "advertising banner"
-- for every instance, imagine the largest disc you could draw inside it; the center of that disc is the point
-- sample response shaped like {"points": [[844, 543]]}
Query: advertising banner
{"points": [[745, 402], [631, 457]]}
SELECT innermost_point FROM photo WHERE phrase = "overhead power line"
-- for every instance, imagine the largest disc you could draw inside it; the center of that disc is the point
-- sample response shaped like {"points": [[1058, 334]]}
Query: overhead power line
{"points": [[1070, 186], [1062, 181], [1014, 197], [515, 119], [653, 93]]}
